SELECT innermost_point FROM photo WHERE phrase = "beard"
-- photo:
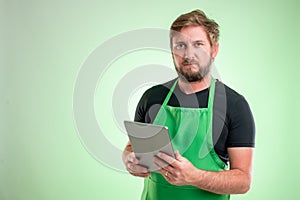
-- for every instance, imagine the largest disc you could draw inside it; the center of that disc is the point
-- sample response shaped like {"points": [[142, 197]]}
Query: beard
{"points": [[186, 74]]}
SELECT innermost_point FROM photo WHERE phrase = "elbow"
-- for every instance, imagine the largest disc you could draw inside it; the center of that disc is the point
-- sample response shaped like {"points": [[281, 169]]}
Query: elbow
{"points": [[245, 189], [245, 186]]}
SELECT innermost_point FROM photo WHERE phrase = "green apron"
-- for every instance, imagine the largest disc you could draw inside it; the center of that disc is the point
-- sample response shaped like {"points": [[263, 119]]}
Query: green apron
{"points": [[191, 134]]}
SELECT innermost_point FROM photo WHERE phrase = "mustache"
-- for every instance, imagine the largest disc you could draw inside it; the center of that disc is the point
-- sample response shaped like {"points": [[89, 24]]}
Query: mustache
{"points": [[189, 62]]}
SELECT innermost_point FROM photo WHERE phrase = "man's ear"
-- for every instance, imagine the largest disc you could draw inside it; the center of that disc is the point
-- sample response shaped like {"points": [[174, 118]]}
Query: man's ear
{"points": [[215, 50]]}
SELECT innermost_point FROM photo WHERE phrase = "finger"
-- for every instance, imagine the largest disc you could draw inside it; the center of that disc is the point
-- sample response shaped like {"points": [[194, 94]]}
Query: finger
{"points": [[164, 172], [144, 175], [168, 159], [167, 174], [137, 168], [169, 177], [140, 169], [178, 156], [131, 158], [161, 164]]}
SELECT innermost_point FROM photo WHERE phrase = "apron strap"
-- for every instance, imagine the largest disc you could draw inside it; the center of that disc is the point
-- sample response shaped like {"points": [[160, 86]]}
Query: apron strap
{"points": [[170, 94], [211, 93]]}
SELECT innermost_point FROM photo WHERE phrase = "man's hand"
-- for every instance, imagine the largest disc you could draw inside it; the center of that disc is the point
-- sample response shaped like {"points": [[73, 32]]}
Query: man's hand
{"points": [[132, 163], [237, 180], [180, 170]]}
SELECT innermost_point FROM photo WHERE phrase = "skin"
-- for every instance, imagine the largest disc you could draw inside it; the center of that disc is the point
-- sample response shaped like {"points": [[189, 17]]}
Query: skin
{"points": [[192, 56]]}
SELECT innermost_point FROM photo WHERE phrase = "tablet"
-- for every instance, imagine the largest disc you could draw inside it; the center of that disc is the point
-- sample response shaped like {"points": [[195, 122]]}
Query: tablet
{"points": [[147, 140]]}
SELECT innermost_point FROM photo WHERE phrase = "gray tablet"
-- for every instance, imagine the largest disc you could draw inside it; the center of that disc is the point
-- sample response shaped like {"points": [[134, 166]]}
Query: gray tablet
{"points": [[147, 140]]}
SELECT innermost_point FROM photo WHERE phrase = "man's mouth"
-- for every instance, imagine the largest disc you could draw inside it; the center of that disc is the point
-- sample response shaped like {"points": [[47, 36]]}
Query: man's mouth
{"points": [[189, 64]]}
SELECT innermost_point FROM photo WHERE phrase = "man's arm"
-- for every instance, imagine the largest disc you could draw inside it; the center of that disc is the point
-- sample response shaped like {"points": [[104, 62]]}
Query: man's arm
{"points": [[237, 180]]}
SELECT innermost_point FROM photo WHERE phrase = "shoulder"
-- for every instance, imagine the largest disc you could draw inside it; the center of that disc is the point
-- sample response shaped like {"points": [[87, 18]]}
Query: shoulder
{"points": [[231, 95], [229, 100], [237, 103]]}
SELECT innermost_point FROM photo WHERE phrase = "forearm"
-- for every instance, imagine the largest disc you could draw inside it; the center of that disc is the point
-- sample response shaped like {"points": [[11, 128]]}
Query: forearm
{"points": [[232, 181]]}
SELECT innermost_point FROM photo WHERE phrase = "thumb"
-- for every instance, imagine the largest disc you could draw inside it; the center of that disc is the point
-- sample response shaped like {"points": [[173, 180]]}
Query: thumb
{"points": [[177, 155]]}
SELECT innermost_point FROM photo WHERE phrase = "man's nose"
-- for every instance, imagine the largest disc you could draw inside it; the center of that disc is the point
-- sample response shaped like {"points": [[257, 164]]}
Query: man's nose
{"points": [[188, 53]]}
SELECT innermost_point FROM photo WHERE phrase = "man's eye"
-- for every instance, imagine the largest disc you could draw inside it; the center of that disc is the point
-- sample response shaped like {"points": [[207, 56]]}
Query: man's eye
{"points": [[179, 46], [198, 44]]}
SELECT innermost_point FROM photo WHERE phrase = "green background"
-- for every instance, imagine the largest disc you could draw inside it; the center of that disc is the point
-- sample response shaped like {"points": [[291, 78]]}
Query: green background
{"points": [[43, 45]]}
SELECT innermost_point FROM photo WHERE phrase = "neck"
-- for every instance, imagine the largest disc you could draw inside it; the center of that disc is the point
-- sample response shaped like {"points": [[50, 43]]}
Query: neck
{"points": [[195, 86]]}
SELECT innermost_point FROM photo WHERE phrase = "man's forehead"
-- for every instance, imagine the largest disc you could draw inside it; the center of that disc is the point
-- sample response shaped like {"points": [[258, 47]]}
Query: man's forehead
{"points": [[190, 34], [182, 37]]}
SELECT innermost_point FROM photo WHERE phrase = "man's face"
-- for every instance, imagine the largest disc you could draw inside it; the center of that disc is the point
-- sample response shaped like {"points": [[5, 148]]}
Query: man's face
{"points": [[192, 53]]}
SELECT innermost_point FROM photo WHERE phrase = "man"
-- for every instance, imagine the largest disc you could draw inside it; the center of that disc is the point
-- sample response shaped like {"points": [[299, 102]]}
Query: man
{"points": [[210, 124]]}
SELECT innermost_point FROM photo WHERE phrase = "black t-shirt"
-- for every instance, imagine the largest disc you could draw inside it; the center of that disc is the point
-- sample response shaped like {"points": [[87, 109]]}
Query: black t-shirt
{"points": [[233, 124]]}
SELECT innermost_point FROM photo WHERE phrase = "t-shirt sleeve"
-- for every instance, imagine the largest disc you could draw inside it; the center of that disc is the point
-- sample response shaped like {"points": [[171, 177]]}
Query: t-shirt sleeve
{"points": [[141, 108], [241, 128]]}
